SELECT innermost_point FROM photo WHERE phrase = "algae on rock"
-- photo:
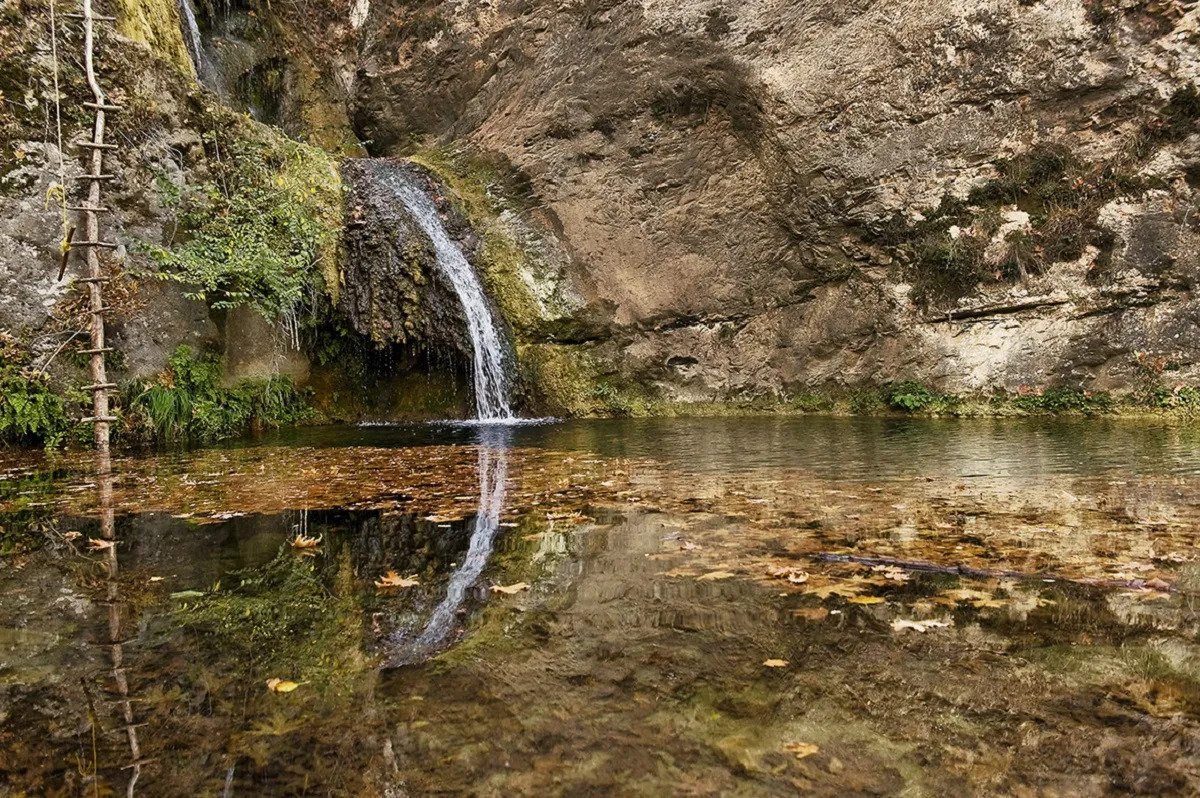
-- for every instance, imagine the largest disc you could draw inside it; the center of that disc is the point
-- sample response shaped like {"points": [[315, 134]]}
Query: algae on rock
{"points": [[155, 23]]}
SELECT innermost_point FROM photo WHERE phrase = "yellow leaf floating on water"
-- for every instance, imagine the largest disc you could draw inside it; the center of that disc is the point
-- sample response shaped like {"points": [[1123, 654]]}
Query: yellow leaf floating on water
{"points": [[713, 576], [510, 590], [281, 685], [802, 750], [811, 613], [837, 589], [775, 663], [393, 579]]}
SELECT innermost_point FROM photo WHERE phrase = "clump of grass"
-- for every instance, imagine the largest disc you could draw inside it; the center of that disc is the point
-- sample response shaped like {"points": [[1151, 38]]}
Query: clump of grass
{"points": [[187, 402], [1178, 118], [810, 403], [1063, 400], [1152, 391], [31, 413]]}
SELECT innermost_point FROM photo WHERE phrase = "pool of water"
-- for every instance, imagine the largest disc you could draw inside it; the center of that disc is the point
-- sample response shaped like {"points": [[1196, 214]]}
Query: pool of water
{"points": [[662, 607]]}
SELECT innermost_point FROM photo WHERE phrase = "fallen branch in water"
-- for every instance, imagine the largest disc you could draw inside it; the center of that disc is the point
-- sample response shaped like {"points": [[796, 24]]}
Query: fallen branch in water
{"points": [[925, 566]]}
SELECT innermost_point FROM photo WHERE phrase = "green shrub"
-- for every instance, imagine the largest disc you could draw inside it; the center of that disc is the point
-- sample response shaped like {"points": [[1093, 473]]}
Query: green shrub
{"points": [[1063, 400], [188, 402], [1185, 398], [911, 397], [262, 231], [866, 400]]}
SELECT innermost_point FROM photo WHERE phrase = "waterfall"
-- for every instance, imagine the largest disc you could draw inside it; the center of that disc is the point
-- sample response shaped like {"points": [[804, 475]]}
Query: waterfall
{"points": [[490, 377], [191, 36]]}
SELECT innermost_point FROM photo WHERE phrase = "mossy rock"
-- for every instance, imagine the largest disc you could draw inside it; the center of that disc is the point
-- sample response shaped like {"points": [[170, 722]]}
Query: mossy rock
{"points": [[156, 24]]}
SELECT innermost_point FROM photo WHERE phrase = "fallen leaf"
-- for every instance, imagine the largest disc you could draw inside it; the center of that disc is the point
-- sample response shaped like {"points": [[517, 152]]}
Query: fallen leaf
{"points": [[775, 663], [713, 576], [834, 589], [866, 599], [301, 541], [1147, 595], [510, 590], [811, 613], [919, 626], [977, 598], [281, 685], [99, 544], [392, 579], [801, 750], [72, 535]]}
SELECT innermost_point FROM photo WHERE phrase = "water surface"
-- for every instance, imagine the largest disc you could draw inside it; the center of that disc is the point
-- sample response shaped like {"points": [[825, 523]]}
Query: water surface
{"points": [[665, 607]]}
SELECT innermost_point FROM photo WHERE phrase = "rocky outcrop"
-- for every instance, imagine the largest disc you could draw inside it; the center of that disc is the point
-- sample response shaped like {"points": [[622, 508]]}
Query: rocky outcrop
{"points": [[742, 186], [169, 137], [391, 295], [695, 200]]}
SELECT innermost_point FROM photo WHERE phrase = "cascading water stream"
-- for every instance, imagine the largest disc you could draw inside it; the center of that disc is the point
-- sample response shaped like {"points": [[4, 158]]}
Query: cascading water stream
{"points": [[490, 376], [191, 36]]}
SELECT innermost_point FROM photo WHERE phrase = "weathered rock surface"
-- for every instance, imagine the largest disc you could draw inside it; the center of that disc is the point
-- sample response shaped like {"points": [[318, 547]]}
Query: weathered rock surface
{"points": [[718, 171], [739, 199]]}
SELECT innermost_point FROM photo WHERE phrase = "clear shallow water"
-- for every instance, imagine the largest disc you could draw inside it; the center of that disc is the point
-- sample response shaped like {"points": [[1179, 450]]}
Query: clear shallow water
{"points": [[866, 447], [958, 607]]}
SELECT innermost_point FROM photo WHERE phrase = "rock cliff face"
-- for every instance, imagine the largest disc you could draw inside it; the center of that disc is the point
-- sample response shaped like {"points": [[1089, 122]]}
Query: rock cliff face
{"points": [[721, 200], [766, 196]]}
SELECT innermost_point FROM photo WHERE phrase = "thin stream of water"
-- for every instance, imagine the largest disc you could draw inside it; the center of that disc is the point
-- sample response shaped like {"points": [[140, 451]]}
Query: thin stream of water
{"points": [[191, 36], [493, 473], [491, 380]]}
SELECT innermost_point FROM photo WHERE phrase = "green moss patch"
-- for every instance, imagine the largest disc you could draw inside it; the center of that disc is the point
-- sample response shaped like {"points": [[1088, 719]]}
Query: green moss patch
{"points": [[263, 230], [156, 24], [573, 382]]}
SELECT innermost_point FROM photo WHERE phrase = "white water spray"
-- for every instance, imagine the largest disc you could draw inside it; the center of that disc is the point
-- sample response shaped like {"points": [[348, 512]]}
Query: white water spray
{"points": [[491, 380]]}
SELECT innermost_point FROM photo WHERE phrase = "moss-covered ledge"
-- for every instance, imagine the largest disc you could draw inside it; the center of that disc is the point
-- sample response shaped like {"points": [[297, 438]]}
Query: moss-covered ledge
{"points": [[523, 268], [576, 382]]}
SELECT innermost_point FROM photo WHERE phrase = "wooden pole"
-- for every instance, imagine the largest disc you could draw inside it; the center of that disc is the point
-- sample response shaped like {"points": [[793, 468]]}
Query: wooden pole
{"points": [[100, 418]]}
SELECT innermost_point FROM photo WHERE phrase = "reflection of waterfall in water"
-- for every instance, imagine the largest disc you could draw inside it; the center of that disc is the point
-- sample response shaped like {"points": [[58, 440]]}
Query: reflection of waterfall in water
{"points": [[491, 379], [493, 473], [191, 36]]}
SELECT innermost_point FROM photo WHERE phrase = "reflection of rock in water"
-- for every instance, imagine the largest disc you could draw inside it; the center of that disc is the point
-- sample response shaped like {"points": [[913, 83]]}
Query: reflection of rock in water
{"points": [[493, 473]]}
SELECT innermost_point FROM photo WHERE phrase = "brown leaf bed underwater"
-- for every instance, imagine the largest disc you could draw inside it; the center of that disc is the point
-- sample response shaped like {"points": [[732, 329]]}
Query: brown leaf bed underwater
{"points": [[643, 628]]}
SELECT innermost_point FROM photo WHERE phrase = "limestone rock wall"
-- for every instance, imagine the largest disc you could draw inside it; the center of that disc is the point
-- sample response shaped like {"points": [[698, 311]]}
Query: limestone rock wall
{"points": [[721, 173]]}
